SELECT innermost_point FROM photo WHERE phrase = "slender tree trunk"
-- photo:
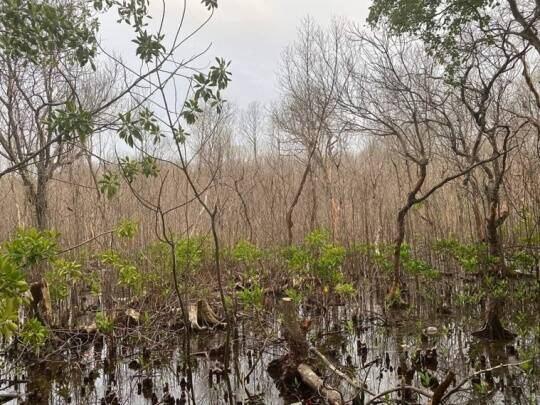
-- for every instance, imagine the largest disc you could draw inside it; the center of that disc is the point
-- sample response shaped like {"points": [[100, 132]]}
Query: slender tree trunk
{"points": [[396, 291], [41, 204], [294, 202]]}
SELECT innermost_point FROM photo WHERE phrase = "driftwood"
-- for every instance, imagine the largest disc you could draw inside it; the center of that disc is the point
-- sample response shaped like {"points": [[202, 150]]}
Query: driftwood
{"points": [[316, 383]]}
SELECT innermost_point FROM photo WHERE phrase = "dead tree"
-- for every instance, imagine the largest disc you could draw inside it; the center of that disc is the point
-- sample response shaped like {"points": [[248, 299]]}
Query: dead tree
{"points": [[306, 117]]}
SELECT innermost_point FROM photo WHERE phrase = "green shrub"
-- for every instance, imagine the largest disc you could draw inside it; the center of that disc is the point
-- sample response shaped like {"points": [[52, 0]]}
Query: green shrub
{"points": [[103, 323], [30, 246], [34, 334]]}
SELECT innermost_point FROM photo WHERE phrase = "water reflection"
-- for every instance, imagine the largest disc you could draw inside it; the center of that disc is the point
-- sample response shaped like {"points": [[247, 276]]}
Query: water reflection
{"points": [[383, 350]]}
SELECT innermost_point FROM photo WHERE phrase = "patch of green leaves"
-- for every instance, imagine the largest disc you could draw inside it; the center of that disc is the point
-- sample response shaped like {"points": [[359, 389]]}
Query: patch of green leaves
{"points": [[30, 246], [104, 324], [34, 334], [109, 184], [126, 229]]}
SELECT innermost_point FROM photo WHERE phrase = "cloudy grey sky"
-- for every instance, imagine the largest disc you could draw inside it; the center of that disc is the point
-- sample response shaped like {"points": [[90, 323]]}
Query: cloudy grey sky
{"points": [[250, 33]]}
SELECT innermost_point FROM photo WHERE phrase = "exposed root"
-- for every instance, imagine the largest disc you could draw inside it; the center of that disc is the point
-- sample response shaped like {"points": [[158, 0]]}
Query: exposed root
{"points": [[493, 328], [495, 331]]}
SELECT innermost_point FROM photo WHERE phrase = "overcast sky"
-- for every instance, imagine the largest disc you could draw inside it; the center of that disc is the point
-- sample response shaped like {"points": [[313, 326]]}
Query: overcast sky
{"points": [[250, 33]]}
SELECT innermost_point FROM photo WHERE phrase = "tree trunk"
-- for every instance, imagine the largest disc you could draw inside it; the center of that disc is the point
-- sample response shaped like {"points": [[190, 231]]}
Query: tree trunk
{"points": [[396, 293], [290, 211], [41, 204], [493, 328]]}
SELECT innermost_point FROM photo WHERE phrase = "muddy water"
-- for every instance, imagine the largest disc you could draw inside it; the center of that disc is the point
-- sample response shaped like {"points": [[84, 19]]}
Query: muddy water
{"points": [[374, 345]]}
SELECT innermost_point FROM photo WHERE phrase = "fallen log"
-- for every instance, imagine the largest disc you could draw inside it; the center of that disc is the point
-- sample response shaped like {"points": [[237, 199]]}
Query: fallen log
{"points": [[335, 370], [295, 337], [312, 380]]}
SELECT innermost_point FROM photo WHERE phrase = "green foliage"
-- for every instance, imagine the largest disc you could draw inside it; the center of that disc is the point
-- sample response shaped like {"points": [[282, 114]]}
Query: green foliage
{"points": [[318, 257], [12, 282], [294, 295], [148, 167], [521, 260], [246, 252], [30, 246], [93, 280], [9, 316], [61, 277], [128, 274], [136, 128], [149, 46], [34, 334], [109, 184], [210, 4], [426, 379], [42, 31], [71, 120], [131, 168], [12, 295], [110, 257], [381, 256], [252, 296], [104, 324], [378, 254], [472, 257], [208, 89], [497, 288], [414, 266], [345, 289], [190, 253], [126, 229], [438, 22], [463, 298]]}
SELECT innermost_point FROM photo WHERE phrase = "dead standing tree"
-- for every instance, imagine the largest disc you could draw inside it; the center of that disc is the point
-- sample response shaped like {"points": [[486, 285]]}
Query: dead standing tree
{"points": [[310, 84]]}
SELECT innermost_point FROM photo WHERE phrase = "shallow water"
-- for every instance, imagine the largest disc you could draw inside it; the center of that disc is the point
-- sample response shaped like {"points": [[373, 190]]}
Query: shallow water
{"points": [[373, 345]]}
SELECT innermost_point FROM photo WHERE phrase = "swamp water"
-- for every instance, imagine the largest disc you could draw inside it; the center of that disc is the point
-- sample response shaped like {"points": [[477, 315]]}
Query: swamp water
{"points": [[371, 344]]}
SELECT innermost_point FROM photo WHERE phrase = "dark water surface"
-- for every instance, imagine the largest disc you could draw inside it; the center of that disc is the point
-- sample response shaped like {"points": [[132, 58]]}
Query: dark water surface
{"points": [[363, 339]]}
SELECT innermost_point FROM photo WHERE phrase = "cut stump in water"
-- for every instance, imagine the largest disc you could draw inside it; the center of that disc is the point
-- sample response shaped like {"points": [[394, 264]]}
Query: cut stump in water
{"points": [[41, 301], [193, 318], [207, 316]]}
